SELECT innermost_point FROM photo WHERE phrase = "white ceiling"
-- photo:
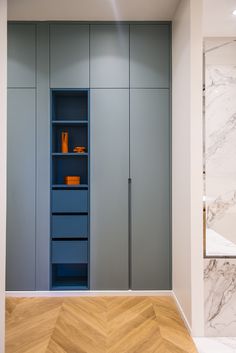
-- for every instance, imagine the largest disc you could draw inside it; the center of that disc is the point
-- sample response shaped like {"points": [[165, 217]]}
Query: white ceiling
{"points": [[92, 10], [218, 20]]}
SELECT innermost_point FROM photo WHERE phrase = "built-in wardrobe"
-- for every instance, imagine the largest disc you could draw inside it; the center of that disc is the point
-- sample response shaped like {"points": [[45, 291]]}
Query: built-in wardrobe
{"points": [[121, 73]]}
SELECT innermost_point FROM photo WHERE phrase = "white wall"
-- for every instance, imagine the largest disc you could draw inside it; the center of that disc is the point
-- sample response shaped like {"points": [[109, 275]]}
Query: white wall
{"points": [[218, 18], [91, 10], [196, 167], [187, 162], [181, 158], [3, 97]]}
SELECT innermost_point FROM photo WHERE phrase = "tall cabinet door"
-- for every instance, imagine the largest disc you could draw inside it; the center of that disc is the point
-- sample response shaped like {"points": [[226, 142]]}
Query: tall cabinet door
{"points": [[150, 192], [109, 188], [21, 190]]}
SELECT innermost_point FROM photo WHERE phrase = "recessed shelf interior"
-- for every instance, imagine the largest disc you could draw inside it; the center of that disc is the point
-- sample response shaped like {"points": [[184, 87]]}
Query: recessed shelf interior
{"points": [[77, 136], [63, 167], [70, 105], [70, 275]]}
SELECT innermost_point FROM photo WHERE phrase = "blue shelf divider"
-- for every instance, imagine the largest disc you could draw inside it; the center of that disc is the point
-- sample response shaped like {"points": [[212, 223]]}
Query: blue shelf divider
{"points": [[69, 122], [63, 186], [70, 113], [69, 154]]}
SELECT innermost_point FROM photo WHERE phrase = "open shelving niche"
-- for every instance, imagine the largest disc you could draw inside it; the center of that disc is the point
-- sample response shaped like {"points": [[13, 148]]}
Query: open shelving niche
{"points": [[70, 203]]}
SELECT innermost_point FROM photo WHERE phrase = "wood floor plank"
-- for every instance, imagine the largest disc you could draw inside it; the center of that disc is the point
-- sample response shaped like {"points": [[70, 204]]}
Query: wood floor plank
{"points": [[171, 325], [29, 327], [81, 326], [11, 304], [53, 347], [128, 322], [95, 325]]}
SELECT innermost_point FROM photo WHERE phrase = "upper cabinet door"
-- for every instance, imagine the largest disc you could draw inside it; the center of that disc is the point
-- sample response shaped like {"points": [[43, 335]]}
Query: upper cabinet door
{"points": [[109, 50], [150, 56], [21, 55], [69, 56]]}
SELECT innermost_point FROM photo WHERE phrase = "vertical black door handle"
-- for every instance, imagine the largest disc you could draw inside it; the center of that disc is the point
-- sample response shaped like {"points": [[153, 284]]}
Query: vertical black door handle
{"points": [[130, 230]]}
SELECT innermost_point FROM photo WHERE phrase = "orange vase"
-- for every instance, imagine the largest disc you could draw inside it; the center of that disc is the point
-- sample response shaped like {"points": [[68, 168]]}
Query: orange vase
{"points": [[64, 142]]}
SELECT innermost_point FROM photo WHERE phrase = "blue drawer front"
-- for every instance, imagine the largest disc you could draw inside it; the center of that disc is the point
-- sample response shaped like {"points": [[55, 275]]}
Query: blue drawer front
{"points": [[70, 226], [68, 201], [69, 252]]}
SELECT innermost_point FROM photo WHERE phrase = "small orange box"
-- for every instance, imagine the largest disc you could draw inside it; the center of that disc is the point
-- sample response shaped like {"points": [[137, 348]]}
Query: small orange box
{"points": [[72, 180]]}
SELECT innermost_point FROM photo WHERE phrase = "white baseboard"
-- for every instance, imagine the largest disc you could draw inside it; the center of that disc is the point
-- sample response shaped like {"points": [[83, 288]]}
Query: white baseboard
{"points": [[88, 293], [188, 327]]}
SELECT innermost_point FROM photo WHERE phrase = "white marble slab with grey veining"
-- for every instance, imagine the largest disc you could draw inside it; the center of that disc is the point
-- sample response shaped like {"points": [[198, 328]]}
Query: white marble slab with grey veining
{"points": [[220, 145], [220, 297], [220, 195]]}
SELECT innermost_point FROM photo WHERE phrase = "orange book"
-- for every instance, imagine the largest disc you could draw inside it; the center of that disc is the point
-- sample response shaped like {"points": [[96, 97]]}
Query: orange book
{"points": [[72, 180]]}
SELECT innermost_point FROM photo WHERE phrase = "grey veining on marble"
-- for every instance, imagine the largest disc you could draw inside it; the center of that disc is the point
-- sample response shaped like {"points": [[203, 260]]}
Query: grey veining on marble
{"points": [[220, 297], [218, 208], [220, 139]]}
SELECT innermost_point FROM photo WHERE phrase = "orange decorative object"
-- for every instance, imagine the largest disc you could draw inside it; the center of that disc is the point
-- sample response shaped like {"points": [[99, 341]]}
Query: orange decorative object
{"points": [[72, 180], [79, 149], [64, 142]]}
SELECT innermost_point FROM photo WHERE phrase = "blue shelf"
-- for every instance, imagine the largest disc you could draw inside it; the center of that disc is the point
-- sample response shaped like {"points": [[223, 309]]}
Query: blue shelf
{"points": [[69, 113], [69, 287], [64, 186], [70, 122], [69, 154]]}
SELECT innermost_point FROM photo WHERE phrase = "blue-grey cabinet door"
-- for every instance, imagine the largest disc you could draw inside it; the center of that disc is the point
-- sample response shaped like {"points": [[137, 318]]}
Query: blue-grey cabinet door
{"points": [[109, 188], [43, 159], [150, 194], [109, 53], [69, 56], [21, 190], [21, 55], [149, 55]]}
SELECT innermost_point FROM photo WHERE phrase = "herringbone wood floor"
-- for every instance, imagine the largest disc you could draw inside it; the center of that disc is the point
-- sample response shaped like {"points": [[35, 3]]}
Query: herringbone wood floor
{"points": [[95, 325]]}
